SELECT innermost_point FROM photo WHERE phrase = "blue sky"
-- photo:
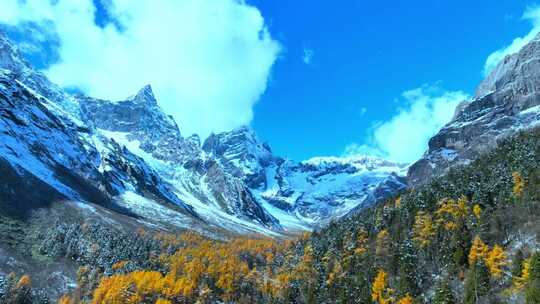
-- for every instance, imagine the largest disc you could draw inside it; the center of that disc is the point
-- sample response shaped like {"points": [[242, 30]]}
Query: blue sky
{"points": [[365, 54], [312, 77]]}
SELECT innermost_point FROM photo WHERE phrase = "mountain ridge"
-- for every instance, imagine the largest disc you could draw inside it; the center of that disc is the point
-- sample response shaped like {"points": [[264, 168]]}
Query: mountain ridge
{"points": [[134, 157]]}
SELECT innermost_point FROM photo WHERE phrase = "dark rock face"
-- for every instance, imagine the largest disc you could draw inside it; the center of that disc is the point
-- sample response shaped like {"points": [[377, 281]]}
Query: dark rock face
{"points": [[242, 154], [507, 101]]}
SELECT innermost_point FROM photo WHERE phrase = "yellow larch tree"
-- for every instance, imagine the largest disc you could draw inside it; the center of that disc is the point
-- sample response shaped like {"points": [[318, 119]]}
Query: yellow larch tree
{"points": [[380, 293], [65, 300], [496, 260], [24, 282], [406, 300], [382, 242], [423, 229], [479, 251], [397, 202], [451, 212], [519, 184], [521, 282], [362, 240], [477, 211]]}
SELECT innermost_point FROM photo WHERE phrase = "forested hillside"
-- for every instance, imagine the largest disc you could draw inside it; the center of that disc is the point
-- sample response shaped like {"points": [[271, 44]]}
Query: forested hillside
{"points": [[468, 237]]}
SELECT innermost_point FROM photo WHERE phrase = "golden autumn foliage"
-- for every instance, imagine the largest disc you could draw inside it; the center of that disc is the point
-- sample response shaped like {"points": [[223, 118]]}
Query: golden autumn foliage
{"points": [[496, 259], [65, 300], [406, 300], [397, 202], [24, 282], [380, 293], [305, 236], [451, 212], [477, 211], [189, 270], [119, 265], [423, 229], [519, 283], [382, 242], [336, 273], [362, 240], [519, 184], [479, 251], [305, 267]]}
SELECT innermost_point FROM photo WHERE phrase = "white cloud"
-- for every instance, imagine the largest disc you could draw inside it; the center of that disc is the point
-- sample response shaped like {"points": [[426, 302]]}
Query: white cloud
{"points": [[404, 137], [531, 14], [208, 60], [308, 56]]}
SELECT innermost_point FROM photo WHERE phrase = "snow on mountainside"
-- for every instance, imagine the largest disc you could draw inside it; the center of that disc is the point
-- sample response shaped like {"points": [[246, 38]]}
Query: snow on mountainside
{"points": [[131, 158], [309, 193], [507, 101]]}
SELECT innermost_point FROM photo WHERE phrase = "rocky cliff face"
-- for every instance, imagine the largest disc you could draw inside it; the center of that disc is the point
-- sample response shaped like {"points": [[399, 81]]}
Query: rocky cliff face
{"points": [[507, 101], [242, 154]]}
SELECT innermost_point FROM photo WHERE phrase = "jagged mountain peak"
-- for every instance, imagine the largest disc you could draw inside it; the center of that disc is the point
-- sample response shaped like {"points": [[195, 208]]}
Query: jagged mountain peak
{"points": [[243, 134], [241, 153], [145, 96]]}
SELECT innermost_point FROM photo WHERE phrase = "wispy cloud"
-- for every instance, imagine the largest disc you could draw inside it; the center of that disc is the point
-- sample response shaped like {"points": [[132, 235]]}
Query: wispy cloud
{"points": [[404, 137], [363, 111], [199, 55], [531, 14], [308, 56]]}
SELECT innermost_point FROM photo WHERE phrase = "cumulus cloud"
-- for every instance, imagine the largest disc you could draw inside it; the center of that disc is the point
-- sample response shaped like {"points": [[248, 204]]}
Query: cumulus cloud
{"points": [[531, 14], [208, 60], [404, 137]]}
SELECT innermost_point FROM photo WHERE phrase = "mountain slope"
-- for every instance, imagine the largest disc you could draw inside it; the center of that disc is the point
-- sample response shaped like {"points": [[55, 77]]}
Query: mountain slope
{"points": [[309, 193], [507, 101], [131, 158]]}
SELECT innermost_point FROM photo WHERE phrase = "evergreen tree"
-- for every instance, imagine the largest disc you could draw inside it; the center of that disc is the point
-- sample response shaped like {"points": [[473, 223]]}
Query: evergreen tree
{"points": [[443, 293], [408, 281], [477, 282], [532, 294], [461, 243], [517, 263]]}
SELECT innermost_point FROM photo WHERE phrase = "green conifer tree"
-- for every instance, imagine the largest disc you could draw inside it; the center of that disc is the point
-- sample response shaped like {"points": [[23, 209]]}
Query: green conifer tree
{"points": [[477, 283], [532, 293], [443, 293], [517, 263]]}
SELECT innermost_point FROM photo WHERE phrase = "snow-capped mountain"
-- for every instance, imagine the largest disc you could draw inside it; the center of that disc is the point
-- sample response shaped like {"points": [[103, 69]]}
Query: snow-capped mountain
{"points": [[131, 159], [308, 193], [507, 101]]}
